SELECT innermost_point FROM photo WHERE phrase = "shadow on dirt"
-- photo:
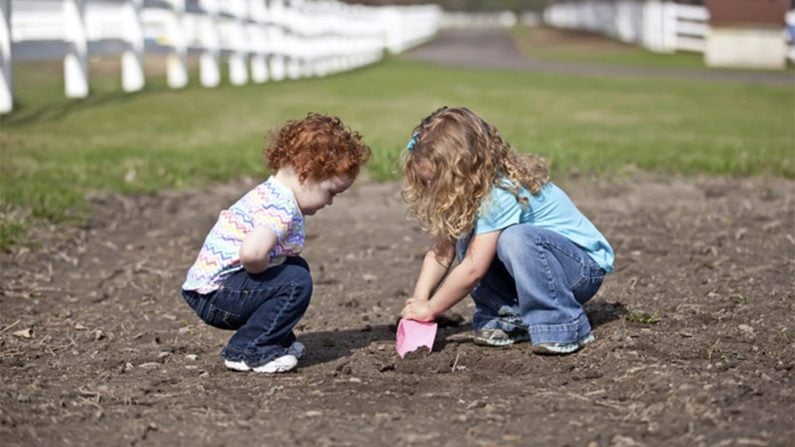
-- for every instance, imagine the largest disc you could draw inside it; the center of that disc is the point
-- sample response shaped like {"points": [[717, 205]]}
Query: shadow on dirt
{"points": [[602, 312], [328, 346]]}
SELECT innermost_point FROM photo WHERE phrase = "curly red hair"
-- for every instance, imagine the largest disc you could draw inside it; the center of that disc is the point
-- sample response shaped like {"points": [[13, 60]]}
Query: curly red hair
{"points": [[317, 148]]}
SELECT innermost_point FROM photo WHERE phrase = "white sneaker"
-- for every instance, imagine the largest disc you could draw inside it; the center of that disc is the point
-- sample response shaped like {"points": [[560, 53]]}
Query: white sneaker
{"points": [[236, 366], [296, 351], [278, 365]]}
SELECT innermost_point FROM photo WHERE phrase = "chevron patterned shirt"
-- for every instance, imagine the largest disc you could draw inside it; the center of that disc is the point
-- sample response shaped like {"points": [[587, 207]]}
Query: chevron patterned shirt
{"points": [[270, 203]]}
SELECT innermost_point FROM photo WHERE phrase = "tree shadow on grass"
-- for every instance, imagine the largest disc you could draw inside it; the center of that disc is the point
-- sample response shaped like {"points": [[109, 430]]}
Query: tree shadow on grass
{"points": [[25, 115]]}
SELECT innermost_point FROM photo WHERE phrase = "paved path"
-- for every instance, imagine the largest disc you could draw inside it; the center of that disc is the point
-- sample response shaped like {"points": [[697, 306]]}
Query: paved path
{"points": [[494, 48]]}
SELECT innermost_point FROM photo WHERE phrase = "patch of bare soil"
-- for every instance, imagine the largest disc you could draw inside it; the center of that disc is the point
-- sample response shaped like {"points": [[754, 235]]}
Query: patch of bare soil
{"points": [[546, 38], [695, 339]]}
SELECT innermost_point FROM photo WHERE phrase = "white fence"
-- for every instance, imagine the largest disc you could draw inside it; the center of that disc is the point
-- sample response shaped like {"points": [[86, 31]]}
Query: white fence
{"points": [[261, 40], [661, 26]]}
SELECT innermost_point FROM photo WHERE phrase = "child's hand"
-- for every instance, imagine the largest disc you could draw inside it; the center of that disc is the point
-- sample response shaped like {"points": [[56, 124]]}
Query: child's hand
{"points": [[417, 309]]}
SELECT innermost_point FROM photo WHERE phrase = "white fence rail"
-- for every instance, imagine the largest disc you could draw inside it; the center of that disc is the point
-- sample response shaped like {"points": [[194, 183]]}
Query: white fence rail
{"points": [[260, 40], [661, 26]]}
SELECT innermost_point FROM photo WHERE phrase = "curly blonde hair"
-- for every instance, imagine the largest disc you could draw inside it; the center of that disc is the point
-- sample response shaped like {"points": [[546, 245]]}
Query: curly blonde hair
{"points": [[469, 158], [317, 147]]}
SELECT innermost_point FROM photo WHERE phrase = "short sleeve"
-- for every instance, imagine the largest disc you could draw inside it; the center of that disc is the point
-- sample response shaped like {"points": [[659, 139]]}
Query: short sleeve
{"points": [[500, 210], [277, 218]]}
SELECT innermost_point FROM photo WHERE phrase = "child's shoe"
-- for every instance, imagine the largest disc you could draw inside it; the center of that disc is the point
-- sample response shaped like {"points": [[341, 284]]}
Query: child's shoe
{"points": [[563, 348], [296, 350], [236, 366], [498, 337], [278, 365]]}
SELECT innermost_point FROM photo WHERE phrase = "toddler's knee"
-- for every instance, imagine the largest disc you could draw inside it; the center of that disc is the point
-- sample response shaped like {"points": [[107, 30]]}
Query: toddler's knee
{"points": [[295, 271], [302, 281]]}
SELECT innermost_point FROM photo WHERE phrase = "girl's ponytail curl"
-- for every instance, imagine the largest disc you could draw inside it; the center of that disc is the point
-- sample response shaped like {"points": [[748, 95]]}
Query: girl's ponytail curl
{"points": [[528, 170]]}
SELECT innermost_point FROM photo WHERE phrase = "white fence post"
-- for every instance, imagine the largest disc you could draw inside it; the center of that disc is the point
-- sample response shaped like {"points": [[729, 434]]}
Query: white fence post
{"points": [[292, 40], [176, 62], [76, 60], [277, 40], [257, 38], [669, 26], [654, 27], [132, 60], [6, 67], [238, 70], [209, 69]]}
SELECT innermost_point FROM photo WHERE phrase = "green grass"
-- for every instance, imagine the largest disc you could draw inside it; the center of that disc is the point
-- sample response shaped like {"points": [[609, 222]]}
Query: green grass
{"points": [[642, 317], [54, 150]]}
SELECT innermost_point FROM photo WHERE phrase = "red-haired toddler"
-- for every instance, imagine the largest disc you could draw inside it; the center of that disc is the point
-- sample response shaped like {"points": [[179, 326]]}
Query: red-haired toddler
{"points": [[248, 276]]}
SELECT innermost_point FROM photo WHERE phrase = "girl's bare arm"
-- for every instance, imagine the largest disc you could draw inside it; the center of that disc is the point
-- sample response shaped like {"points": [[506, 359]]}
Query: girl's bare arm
{"points": [[435, 265], [256, 247], [459, 282]]}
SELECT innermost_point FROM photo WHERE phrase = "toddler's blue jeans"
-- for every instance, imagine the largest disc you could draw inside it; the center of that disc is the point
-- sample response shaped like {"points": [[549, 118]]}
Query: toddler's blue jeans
{"points": [[538, 282], [263, 308]]}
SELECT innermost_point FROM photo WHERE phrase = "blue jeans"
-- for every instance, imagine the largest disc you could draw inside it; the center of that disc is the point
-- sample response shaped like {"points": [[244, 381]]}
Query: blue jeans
{"points": [[263, 308], [538, 282]]}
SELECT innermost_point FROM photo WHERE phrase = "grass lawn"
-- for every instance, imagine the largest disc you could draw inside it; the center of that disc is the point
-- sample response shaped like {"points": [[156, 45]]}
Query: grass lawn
{"points": [[54, 150]]}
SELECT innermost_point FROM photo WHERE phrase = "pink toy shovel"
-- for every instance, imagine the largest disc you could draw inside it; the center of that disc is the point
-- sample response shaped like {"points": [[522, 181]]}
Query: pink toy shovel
{"points": [[411, 335]]}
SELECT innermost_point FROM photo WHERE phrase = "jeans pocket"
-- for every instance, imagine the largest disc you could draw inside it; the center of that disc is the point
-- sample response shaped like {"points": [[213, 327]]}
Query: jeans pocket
{"points": [[589, 283], [223, 319], [193, 300]]}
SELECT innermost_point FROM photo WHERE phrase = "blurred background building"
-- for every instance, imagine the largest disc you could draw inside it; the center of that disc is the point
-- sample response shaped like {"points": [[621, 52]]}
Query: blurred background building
{"points": [[730, 33]]}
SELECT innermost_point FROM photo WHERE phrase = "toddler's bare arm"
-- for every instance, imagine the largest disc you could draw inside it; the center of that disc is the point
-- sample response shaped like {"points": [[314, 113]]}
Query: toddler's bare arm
{"points": [[256, 247]]}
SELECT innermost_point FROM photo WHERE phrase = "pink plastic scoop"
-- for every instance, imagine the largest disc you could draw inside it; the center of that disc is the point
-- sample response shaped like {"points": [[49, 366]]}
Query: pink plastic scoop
{"points": [[412, 335]]}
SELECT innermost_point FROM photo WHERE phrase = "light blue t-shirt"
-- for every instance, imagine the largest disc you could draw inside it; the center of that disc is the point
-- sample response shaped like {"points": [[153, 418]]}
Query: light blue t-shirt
{"points": [[551, 209]]}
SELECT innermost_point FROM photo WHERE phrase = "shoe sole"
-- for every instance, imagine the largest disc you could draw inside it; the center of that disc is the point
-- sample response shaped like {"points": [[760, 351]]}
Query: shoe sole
{"points": [[498, 343], [296, 350], [574, 347]]}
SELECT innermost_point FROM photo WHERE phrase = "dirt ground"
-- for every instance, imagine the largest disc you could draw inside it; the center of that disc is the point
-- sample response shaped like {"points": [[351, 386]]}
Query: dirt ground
{"points": [[695, 339]]}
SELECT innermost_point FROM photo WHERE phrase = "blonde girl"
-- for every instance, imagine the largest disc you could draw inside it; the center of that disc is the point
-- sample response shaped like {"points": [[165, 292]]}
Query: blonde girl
{"points": [[527, 255]]}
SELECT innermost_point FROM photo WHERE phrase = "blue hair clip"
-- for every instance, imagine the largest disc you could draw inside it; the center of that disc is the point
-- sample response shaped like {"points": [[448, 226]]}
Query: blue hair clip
{"points": [[413, 141]]}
